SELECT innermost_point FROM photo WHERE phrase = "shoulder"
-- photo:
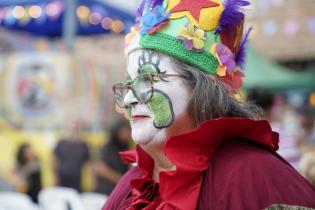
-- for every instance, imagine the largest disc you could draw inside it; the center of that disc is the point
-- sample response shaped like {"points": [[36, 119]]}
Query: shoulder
{"points": [[59, 145], [243, 154], [60, 142], [109, 152], [119, 198], [109, 148], [249, 176]]}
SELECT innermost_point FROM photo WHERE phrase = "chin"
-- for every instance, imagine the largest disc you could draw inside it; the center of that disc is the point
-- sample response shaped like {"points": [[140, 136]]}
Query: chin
{"points": [[146, 136], [140, 139]]}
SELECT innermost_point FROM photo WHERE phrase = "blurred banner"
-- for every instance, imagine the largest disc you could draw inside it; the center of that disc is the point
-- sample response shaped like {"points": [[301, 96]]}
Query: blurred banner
{"points": [[42, 88]]}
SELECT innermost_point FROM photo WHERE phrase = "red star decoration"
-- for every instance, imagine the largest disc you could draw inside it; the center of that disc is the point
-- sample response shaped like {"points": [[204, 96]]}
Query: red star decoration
{"points": [[194, 7]]}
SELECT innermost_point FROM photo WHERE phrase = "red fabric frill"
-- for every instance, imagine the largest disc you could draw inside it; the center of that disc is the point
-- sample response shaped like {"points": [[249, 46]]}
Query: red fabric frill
{"points": [[190, 152]]}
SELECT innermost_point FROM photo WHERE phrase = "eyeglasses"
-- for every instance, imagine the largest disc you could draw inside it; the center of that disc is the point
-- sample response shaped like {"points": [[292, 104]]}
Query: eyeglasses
{"points": [[141, 87]]}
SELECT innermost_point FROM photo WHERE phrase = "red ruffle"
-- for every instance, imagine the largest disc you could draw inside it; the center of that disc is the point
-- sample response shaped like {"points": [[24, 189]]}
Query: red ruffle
{"points": [[129, 156], [145, 192], [191, 152]]}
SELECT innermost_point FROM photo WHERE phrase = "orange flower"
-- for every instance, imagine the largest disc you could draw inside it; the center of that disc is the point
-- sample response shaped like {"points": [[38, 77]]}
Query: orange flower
{"points": [[134, 32]]}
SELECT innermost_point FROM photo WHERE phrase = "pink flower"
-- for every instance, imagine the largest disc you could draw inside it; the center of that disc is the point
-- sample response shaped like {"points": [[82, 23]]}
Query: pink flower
{"points": [[226, 59], [234, 80]]}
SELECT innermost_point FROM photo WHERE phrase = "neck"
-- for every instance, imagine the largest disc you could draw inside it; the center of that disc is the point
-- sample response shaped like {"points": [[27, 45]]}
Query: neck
{"points": [[161, 162], [156, 151]]}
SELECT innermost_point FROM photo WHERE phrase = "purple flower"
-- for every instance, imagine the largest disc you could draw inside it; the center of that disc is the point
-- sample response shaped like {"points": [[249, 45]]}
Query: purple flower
{"points": [[226, 59]]}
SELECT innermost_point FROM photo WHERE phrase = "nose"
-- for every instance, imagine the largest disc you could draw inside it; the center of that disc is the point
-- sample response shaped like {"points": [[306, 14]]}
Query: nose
{"points": [[130, 99]]}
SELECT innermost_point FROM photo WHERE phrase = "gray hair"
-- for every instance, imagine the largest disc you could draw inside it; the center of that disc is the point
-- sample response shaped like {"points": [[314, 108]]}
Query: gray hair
{"points": [[210, 97]]}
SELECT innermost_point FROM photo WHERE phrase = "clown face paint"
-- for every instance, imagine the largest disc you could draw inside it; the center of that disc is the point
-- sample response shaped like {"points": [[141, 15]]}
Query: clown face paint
{"points": [[151, 121]]}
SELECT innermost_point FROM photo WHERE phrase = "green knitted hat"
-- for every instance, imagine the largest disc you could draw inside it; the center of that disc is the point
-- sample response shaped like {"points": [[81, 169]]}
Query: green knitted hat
{"points": [[206, 34]]}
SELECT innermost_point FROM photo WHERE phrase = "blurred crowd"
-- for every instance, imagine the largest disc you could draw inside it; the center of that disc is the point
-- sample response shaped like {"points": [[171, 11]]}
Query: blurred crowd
{"points": [[71, 155]]}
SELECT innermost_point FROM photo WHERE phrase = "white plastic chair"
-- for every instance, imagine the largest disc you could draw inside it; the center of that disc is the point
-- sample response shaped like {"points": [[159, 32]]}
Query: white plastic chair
{"points": [[60, 198], [14, 201], [93, 201]]}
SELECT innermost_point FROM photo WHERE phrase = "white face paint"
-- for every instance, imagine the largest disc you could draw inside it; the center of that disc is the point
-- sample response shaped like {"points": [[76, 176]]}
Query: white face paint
{"points": [[151, 121]]}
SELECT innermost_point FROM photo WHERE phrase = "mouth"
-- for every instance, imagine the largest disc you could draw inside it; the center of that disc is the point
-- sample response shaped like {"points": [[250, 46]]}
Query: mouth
{"points": [[136, 118]]}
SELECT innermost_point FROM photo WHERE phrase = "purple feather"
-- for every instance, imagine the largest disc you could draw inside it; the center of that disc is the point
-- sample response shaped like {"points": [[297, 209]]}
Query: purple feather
{"points": [[232, 14], [140, 10], [154, 3], [241, 54], [146, 4]]}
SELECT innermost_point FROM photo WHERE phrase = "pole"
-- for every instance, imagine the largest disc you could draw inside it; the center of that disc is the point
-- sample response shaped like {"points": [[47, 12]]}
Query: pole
{"points": [[69, 26]]}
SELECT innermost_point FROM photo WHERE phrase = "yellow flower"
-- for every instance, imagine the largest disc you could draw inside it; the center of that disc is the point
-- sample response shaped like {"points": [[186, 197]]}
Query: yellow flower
{"points": [[194, 38]]}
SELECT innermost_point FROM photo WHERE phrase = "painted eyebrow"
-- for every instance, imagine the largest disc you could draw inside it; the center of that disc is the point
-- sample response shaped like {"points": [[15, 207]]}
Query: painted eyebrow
{"points": [[150, 59], [145, 71]]}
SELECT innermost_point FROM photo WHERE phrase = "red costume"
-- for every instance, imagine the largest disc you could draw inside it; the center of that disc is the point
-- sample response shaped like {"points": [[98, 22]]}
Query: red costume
{"points": [[226, 163]]}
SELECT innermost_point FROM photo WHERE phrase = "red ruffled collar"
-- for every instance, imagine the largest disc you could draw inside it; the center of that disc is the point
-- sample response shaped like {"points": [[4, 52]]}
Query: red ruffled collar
{"points": [[190, 152]]}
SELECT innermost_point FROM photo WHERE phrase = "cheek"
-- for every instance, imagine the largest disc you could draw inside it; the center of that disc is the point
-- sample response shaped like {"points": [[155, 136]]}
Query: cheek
{"points": [[161, 107]]}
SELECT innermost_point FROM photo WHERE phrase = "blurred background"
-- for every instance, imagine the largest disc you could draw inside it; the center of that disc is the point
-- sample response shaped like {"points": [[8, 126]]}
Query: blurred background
{"points": [[58, 123]]}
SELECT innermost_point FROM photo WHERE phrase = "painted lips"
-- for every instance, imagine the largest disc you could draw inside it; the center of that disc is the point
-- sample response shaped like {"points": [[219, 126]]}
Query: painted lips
{"points": [[136, 118]]}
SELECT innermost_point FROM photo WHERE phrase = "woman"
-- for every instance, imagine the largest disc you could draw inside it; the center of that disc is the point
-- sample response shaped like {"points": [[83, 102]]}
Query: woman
{"points": [[197, 147], [28, 169], [110, 169], [71, 156]]}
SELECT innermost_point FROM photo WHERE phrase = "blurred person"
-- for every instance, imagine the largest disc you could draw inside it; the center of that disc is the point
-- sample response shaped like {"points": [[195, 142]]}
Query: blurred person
{"points": [[263, 99], [307, 165], [28, 170], [71, 154], [289, 142], [110, 168], [197, 146], [306, 133]]}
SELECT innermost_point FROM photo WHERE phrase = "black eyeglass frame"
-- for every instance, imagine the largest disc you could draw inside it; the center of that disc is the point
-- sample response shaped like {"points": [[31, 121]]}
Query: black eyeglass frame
{"points": [[130, 86]]}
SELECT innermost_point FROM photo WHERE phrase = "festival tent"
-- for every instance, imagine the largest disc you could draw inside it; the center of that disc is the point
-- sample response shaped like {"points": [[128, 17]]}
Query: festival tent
{"points": [[261, 72], [48, 17]]}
